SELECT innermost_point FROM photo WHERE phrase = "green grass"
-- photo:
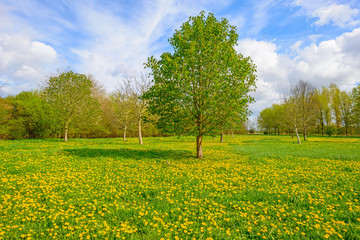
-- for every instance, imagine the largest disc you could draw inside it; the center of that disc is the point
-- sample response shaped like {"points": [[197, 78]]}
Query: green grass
{"points": [[250, 187], [316, 148]]}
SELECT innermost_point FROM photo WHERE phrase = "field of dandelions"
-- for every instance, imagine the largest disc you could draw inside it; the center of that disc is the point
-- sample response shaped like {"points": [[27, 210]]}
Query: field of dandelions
{"points": [[250, 187]]}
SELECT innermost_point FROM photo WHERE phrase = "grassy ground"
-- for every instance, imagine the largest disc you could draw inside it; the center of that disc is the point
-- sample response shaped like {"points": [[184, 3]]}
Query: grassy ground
{"points": [[249, 187]]}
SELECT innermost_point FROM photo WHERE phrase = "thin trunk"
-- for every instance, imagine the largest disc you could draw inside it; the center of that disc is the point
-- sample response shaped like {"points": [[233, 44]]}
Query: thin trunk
{"points": [[292, 134], [232, 134], [322, 129], [140, 136], [305, 134], [124, 134], [199, 153], [222, 137], [297, 135], [346, 130], [66, 133]]}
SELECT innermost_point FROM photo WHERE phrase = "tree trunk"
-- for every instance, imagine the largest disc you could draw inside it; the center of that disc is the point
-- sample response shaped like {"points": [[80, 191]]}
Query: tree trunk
{"points": [[222, 137], [140, 136], [124, 138], [292, 134], [305, 134], [199, 153], [232, 134], [346, 130], [66, 133], [297, 135], [322, 129]]}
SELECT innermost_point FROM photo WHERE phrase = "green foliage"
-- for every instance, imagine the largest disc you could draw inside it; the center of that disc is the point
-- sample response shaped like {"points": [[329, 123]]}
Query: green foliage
{"points": [[5, 115], [356, 99], [203, 86], [250, 187], [70, 95], [330, 130], [31, 117], [272, 118], [328, 110]]}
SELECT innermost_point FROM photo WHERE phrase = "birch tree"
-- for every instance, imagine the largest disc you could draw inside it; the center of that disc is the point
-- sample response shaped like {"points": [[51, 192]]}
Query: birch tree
{"points": [[302, 107], [291, 115], [124, 107], [138, 89]]}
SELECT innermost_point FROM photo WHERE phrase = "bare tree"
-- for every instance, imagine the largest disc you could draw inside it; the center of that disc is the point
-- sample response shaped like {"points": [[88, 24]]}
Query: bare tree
{"points": [[137, 88], [307, 105], [302, 107], [291, 116], [124, 107]]}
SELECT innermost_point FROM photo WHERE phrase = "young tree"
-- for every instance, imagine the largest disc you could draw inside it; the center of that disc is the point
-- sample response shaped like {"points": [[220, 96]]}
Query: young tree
{"points": [[138, 89], [324, 116], [123, 107], [335, 103], [192, 84], [302, 107], [265, 119], [307, 106], [291, 115], [69, 94], [271, 118], [355, 95], [346, 110]]}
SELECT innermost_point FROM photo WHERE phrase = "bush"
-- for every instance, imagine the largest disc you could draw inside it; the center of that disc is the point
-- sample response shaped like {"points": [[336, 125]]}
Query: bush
{"points": [[330, 130]]}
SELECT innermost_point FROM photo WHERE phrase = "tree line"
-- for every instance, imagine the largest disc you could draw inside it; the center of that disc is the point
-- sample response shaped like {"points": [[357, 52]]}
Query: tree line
{"points": [[76, 105], [200, 89], [306, 109]]}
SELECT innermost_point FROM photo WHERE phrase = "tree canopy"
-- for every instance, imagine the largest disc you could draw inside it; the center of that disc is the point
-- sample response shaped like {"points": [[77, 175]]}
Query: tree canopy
{"points": [[202, 87], [69, 93]]}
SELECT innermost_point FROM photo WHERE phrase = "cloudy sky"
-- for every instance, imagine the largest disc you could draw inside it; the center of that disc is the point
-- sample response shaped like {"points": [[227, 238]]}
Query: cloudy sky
{"points": [[289, 40]]}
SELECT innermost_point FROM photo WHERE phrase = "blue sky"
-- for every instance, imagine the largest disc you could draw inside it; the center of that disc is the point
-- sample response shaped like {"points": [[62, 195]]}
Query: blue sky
{"points": [[289, 40]]}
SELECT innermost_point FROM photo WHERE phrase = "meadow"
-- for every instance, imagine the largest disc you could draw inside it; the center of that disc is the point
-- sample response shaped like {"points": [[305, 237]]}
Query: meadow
{"points": [[250, 187]]}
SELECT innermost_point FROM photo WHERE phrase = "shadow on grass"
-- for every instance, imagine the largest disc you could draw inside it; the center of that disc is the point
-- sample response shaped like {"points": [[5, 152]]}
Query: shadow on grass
{"points": [[125, 153]]}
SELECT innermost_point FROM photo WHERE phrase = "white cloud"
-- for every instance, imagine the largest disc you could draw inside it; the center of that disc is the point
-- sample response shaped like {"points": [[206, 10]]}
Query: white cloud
{"points": [[23, 62], [326, 12], [333, 61], [339, 15], [121, 46]]}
